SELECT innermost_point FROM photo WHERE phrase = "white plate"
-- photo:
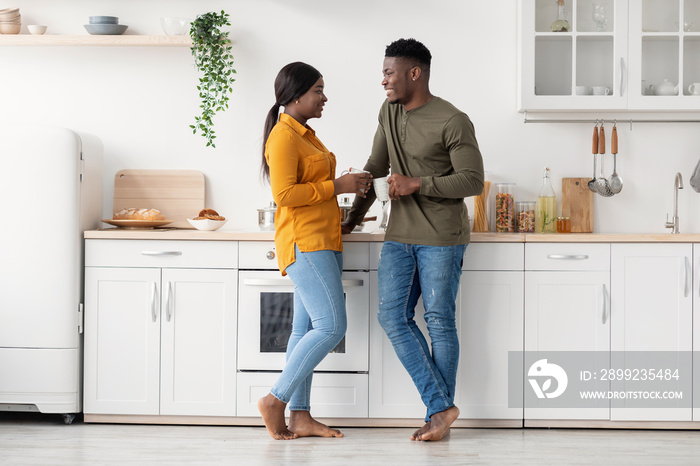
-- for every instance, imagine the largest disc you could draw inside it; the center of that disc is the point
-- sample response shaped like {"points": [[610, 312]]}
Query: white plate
{"points": [[106, 29], [136, 224], [206, 224]]}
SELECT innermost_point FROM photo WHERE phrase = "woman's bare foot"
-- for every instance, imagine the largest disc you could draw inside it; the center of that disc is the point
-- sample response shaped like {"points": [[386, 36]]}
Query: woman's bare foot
{"points": [[440, 424], [272, 411], [421, 431], [303, 425]]}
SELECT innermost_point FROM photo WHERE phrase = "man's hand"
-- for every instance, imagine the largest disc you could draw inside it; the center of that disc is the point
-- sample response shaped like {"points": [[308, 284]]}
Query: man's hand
{"points": [[400, 185]]}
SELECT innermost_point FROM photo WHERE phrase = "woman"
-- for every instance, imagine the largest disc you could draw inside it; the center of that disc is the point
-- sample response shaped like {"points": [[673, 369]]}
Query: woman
{"points": [[301, 172]]}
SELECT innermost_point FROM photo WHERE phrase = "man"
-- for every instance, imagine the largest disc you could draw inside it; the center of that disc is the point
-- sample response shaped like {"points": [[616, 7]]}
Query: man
{"points": [[435, 162]]}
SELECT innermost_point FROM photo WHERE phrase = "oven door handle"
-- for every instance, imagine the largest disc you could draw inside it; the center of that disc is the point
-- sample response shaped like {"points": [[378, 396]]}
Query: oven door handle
{"points": [[288, 282]]}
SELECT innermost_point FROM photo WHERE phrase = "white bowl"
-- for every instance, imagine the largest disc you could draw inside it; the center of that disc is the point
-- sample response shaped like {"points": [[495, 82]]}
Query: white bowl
{"points": [[175, 26], [207, 224], [36, 29]]}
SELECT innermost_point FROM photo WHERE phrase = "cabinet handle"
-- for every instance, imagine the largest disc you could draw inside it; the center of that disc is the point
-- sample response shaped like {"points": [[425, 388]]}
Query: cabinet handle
{"points": [[622, 74], [168, 302], [161, 253], [568, 257], [154, 292], [686, 279], [605, 303], [288, 282]]}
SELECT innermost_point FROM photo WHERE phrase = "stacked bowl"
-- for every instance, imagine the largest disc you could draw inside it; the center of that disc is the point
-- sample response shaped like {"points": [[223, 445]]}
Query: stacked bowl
{"points": [[10, 21], [105, 25]]}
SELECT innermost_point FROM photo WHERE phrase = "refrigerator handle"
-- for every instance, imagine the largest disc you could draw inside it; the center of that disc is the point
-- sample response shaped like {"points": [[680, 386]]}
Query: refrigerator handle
{"points": [[81, 318]]}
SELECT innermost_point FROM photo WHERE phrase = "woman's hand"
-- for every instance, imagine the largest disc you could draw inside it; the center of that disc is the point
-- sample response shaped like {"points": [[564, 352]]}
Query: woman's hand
{"points": [[354, 183]]}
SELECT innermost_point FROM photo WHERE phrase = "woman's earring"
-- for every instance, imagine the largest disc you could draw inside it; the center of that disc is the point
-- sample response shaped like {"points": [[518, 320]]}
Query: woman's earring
{"points": [[296, 101]]}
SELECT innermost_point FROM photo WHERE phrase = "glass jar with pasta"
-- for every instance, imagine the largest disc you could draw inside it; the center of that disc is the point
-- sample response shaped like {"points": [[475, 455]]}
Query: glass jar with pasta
{"points": [[525, 216], [505, 208]]}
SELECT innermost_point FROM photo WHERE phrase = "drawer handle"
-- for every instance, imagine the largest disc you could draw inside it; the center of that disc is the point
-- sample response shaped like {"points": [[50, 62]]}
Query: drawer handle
{"points": [[161, 253], [568, 257]]}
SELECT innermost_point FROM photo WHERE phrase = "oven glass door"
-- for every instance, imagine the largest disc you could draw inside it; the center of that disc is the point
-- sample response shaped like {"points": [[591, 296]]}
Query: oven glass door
{"points": [[266, 308]]}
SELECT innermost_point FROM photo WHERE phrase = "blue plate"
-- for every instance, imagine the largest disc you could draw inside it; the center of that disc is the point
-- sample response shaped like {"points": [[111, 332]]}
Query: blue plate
{"points": [[106, 29]]}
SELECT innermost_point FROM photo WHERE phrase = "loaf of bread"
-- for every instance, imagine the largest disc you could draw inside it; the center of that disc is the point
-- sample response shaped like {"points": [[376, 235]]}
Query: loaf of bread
{"points": [[138, 214], [209, 214]]}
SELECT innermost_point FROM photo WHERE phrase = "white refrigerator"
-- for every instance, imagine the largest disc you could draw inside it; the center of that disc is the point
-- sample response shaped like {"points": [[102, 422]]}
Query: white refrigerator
{"points": [[50, 192]]}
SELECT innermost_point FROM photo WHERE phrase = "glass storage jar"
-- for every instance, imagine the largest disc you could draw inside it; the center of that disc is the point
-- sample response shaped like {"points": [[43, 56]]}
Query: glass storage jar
{"points": [[525, 216], [563, 225], [505, 208]]}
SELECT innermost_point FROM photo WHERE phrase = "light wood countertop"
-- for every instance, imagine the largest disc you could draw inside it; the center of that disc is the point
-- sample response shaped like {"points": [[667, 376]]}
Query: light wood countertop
{"points": [[378, 236]]}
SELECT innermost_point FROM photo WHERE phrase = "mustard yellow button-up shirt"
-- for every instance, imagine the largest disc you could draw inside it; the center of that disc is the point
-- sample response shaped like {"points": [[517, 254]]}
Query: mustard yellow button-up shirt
{"points": [[301, 177]]}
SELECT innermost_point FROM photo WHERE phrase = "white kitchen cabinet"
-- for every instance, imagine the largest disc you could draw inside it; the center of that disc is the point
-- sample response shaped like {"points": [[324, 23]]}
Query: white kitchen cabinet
{"points": [[696, 332], [652, 311], [567, 297], [161, 339], [642, 42], [491, 301], [333, 395], [489, 324]]}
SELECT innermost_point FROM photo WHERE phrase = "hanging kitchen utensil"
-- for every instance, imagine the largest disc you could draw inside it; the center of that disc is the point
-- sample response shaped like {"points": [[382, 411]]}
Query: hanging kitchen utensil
{"points": [[591, 182], [602, 185], [615, 179]]}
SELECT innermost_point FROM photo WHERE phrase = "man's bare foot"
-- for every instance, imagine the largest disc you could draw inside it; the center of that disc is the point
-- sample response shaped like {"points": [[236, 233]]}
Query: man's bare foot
{"points": [[421, 431], [303, 425], [440, 424], [272, 411]]}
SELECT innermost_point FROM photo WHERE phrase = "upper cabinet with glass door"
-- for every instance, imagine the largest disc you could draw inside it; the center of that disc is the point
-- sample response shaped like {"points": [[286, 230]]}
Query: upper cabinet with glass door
{"points": [[665, 42], [573, 54], [614, 55]]}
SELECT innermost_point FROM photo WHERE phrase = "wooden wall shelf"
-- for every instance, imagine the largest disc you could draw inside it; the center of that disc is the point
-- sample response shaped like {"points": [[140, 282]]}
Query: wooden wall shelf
{"points": [[97, 40]]}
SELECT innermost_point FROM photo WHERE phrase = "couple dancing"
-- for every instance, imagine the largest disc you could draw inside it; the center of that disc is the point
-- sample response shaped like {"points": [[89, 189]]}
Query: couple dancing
{"points": [[432, 152]]}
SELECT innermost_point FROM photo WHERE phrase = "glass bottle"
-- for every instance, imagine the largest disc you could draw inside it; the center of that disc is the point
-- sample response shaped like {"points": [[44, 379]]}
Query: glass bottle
{"points": [[561, 24], [546, 206]]}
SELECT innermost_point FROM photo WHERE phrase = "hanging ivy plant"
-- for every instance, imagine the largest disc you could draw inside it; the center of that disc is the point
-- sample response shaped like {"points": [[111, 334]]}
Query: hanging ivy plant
{"points": [[211, 49]]}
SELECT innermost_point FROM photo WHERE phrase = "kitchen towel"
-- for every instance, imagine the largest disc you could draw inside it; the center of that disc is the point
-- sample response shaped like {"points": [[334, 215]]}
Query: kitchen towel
{"points": [[695, 178]]}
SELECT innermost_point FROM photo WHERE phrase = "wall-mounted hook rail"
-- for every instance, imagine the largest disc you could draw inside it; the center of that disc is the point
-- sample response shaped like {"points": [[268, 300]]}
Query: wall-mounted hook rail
{"points": [[603, 120]]}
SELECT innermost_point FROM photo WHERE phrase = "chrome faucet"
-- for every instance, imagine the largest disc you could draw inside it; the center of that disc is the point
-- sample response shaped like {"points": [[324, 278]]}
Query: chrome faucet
{"points": [[677, 184]]}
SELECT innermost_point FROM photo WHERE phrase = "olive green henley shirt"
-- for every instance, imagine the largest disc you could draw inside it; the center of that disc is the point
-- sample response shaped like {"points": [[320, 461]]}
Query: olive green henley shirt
{"points": [[435, 142]]}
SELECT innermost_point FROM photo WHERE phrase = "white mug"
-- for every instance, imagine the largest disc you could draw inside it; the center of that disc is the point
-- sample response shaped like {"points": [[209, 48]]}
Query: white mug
{"points": [[694, 89], [353, 170], [381, 187], [601, 90], [583, 90]]}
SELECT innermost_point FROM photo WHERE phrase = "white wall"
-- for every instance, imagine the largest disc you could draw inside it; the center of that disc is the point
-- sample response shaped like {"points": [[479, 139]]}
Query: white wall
{"points": [[140, 101]]}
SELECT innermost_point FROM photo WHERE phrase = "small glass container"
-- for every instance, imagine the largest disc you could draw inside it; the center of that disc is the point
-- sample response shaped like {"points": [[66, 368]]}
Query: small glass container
{"points": [[563, 225], [505, 208], [525, 216]]}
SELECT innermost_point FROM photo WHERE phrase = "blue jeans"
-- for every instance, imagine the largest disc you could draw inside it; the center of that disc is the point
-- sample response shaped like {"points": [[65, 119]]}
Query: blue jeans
{"points": [[405, 272], [318, 326]]}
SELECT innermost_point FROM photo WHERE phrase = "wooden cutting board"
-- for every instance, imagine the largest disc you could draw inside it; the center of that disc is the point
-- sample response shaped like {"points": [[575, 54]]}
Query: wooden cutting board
{"points": [[577, 203], [177, 194]]}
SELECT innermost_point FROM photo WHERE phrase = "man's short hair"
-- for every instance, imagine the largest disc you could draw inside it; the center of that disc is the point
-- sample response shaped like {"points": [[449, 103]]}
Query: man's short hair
{"points": [[411, 49]]}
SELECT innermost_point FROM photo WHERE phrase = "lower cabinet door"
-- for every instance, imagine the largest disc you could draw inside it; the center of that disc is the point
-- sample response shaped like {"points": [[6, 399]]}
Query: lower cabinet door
{"points": [[392, 391], [198, 342], [122, 340], [332, 394], [567, 311], [652, 313], [492, 326]]}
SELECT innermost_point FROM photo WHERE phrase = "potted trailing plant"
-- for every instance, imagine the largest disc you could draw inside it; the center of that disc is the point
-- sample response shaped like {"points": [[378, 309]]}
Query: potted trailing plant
{"points": [[211, 49]]}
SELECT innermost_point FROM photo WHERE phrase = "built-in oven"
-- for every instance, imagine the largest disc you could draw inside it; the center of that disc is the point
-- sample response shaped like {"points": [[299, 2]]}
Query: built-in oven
{"points": [[266, 310]]}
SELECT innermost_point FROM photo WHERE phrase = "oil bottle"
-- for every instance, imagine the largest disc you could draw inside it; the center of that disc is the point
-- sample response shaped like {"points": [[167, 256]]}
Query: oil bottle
{"points": [[546, 206]]}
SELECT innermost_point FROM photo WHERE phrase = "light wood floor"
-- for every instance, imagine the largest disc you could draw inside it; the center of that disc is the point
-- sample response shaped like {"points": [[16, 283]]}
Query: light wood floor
{"points": [[36, 439]]}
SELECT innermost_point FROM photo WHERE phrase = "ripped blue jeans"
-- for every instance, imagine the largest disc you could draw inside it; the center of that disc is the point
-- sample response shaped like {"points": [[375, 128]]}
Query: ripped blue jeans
{"points": [[407, 271]]}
